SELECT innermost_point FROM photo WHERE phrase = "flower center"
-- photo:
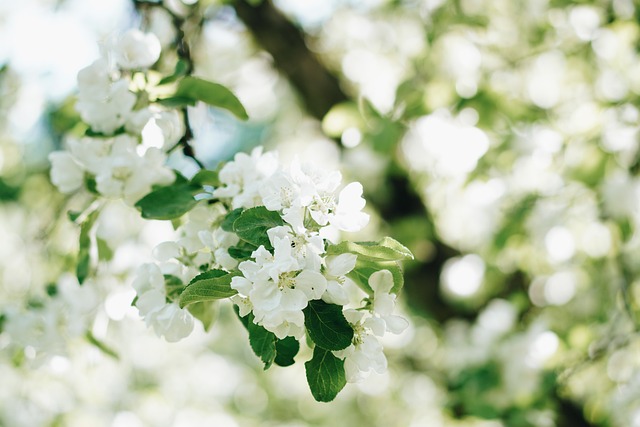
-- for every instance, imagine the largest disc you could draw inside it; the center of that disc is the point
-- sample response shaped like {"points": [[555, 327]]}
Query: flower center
{"points": [[286, 197], [358, 333], [287, 280], [121, 173]]}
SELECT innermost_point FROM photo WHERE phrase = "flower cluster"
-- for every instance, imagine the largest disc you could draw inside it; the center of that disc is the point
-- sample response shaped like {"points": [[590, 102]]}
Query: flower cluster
{"points": [[270, 234], [122, 154], [262, 234]]}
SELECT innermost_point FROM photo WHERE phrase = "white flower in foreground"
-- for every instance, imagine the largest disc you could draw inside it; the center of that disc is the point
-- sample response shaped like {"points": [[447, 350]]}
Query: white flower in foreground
{"points": [[107, 113], [219, 242], [244, 304], [123, 173], [278, 288], [94, 81], [137, 120], [136, 50], [336, 269], [383, 305], [348, 215], [173, 322], [365, 354], [149, 286], [66, 173], [171, 125], [321, 197], [307, 248], [242, 178], [167, 319]]}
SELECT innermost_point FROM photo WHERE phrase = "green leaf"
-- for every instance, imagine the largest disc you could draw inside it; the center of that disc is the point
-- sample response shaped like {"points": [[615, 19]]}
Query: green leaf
{"points": [[227, 222], [176, 102], [208, 286], [241, 252], [168, 202], [52, 289], [90, 132], [73, 215], [252, 225], [210, 93], [387, 249], [91, 184], [84, 253], [206, 312], [364, 269], [181, 69], [263, 342], [266, 345], [286, 350], [105, 253], [325, 375], [327, 326], [206, 177]]}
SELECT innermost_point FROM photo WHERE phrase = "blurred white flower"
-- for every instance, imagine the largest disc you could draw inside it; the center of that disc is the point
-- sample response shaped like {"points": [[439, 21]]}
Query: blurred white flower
{"points": [[66, 173], [136, 50], [167, 319]]}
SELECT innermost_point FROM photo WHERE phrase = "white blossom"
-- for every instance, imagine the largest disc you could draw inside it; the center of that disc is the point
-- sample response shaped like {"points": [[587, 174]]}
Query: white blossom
{"points": [[365, 353], [279, 288], [167, 319], [136, 50], [243, 177], [348, 215], [123, 173], [219, 242], [384, 303], [106, 113], [66, 173], [337, 267]]}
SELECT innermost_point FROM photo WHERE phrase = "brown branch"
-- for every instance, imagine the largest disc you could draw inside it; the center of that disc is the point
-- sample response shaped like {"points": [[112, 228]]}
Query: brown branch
{"points": [[319, 89]]}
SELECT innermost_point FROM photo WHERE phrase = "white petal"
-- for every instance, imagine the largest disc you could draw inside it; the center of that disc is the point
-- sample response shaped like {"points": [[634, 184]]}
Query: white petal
{"points": [[312, 283], [174, 323], [341, 264], [293, 300], [335, 294], [66, 173], [381, 281], [383, 304], [244, 305], [265, 295], [353, 316], [352, 371], [148, 276], [377, 326], [350, 198], [350, 221], [279, 232], [294, 216], [136, 49], [150, 301], [242, 285], [225, 260], [396, 324], [166, 250]]}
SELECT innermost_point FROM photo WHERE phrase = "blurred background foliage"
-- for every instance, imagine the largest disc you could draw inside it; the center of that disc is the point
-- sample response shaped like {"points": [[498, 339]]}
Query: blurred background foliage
{"points": [[497, 139]]}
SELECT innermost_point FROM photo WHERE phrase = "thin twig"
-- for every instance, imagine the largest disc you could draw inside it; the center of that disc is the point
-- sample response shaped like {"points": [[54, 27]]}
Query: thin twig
{"points": [[184, 54]]}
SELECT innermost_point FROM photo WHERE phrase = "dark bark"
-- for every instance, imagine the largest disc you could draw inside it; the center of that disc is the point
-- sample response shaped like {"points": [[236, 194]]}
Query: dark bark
{"points": [[319, 89]]}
